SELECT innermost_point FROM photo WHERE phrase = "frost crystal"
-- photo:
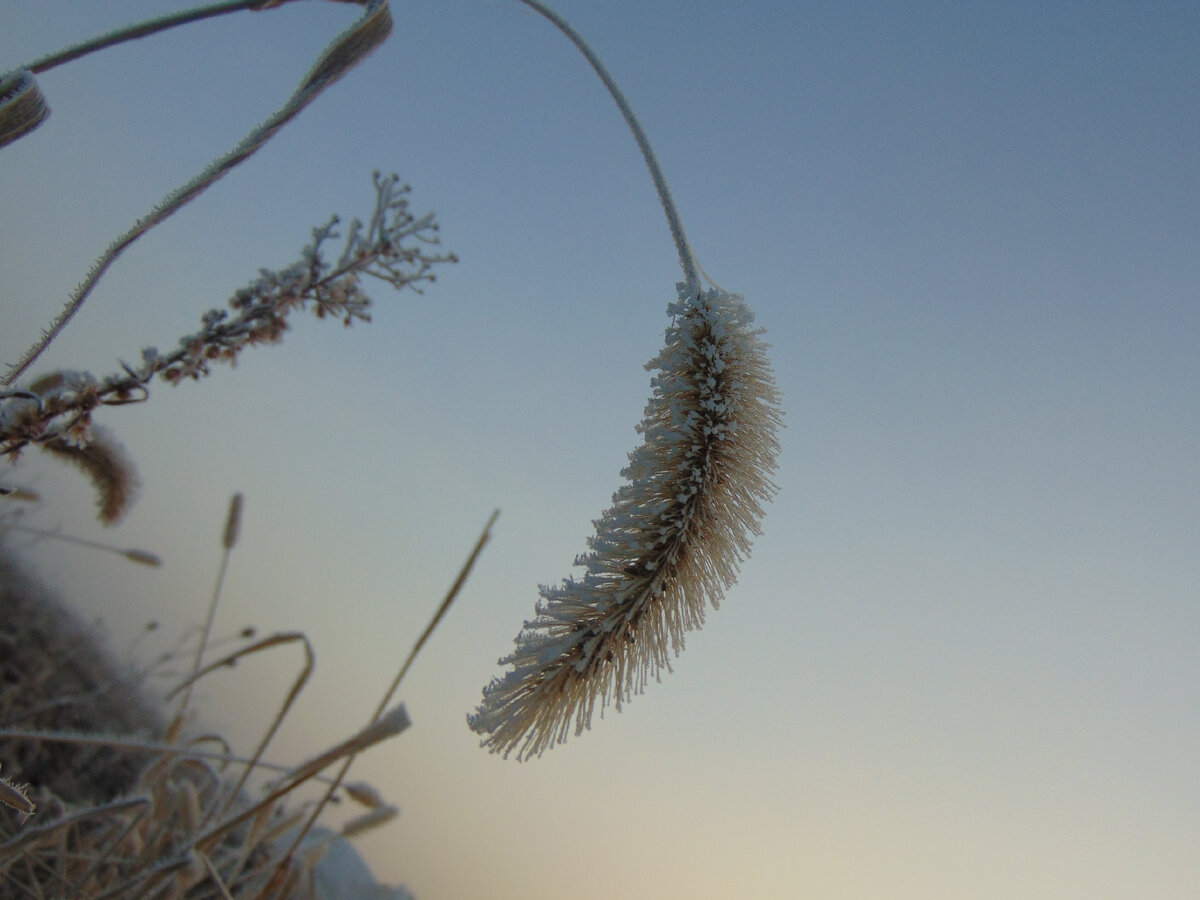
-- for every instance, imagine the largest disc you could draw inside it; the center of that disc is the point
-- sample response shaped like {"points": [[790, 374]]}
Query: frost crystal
{"points": [[670, 544]]}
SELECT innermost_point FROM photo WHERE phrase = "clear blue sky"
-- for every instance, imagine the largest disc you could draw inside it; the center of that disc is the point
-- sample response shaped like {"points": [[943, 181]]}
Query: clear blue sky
{"points": [[962, 661]]}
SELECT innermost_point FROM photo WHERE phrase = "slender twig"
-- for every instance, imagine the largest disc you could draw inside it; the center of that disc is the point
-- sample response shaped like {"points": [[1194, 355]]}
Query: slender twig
{"points": [[386, 726]]}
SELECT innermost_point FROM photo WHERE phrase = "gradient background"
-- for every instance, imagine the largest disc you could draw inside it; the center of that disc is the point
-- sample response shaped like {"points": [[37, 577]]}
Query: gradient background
{"points": [[963, 659]]}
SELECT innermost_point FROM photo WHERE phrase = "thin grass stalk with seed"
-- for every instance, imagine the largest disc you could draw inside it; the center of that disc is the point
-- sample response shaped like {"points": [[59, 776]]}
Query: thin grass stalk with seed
{"points": [[141, 557], [233, 524]]}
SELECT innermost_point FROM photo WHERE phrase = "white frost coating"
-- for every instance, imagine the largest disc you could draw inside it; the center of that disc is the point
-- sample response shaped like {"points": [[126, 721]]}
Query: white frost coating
{"points": [[667, 548]]}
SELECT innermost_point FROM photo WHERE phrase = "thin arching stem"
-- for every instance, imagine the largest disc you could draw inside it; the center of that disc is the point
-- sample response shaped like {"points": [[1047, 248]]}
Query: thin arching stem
{"points": [[686, 260], [142, 29]]}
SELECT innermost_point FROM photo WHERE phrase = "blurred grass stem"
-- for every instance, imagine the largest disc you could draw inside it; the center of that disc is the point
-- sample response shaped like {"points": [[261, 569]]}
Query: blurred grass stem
{"points": [[228, 542], [484, 537]]}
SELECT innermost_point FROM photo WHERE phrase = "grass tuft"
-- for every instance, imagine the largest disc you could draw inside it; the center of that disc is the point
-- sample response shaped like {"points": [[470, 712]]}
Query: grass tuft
{"points": [[116, 800]]}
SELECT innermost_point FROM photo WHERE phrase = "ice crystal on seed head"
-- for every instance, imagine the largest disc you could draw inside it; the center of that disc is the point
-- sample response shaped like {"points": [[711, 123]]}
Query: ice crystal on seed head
{"points": [[667, 548]]}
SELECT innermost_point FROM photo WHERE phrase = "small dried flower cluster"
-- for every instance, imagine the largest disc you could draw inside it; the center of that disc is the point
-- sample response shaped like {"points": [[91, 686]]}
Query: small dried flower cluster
{"points": [[394, 246], [671, 543], [260, 310], [258, 313]]}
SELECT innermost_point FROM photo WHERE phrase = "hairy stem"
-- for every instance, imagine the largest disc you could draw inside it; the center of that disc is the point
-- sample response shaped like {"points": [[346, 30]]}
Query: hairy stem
{"points": [[144, 29]]}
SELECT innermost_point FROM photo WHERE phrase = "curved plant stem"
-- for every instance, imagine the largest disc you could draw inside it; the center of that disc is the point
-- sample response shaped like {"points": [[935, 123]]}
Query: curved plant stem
{"points": [[144, 29], [484, 537], [686, 260]]}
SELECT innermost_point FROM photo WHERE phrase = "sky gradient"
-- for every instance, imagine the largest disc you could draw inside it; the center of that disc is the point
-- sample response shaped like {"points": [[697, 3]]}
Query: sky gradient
{"points": [[962, 660]]}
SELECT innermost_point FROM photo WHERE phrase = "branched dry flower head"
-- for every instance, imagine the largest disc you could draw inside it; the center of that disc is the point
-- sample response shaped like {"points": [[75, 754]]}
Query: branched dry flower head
{"points": [[54, 412], [669, 546]]}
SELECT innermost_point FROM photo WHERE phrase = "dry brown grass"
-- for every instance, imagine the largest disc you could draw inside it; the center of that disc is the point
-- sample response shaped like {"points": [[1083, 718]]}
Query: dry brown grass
{"points": [[120, 809], [103, 794]]}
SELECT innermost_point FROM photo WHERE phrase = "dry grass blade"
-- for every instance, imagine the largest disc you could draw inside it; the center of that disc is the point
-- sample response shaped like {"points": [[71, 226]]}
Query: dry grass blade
{"points": [[32, 835], [184, 829], [190, 750], [386, 726], [214, 874], [369, 821], [144, 29], [274, 640], [459, 581], [364, 794], [298, 684], [107, 848], [157, 841], [484, 537]]}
